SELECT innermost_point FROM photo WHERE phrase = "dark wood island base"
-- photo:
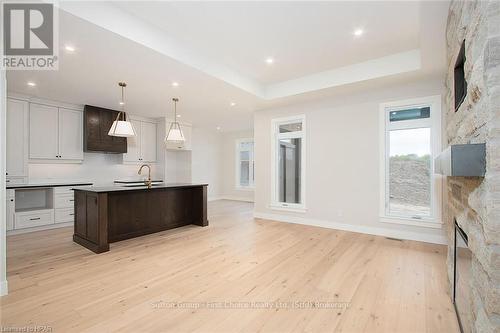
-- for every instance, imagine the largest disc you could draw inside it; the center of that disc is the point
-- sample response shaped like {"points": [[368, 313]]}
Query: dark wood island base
{"points": [[104, 215]]}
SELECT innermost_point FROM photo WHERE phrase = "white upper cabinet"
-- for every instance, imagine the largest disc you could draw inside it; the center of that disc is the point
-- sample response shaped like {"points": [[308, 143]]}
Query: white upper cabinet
{"points": [[55, 133], [17, 138], [44, 128], [186, 144], [148, 141], [134, 144], [142, 147], [70, 134]]}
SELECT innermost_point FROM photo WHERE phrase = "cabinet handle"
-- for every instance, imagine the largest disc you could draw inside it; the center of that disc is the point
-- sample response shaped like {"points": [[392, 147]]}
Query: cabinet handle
{"points": [[7, 181], [35, 218], [71, 214], [71, 199], [11, 200]]}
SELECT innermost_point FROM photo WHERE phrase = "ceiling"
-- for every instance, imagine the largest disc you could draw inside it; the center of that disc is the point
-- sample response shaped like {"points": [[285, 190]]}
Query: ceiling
{"points": [[216, 51], [302, 37]]}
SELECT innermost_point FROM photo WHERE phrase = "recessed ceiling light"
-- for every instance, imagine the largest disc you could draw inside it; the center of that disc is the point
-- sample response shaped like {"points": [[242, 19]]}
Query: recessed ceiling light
{"points": [[178, 116], [175, 84], [218, 128], [31, 84], [358, 32], [269, 61], [233, 104], [122, 103], [69, 48]]}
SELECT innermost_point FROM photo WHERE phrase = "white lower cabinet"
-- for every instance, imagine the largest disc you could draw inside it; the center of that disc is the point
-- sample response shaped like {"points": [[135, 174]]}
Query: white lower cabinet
{"points": [[63, 201], [34, 218], [38, 207], [63, 215]]}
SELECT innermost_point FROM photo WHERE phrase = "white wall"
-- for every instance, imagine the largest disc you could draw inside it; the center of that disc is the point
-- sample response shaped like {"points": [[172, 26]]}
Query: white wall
{"points": [[230, 191], [206, 160], [342, 167], [3, 214]]}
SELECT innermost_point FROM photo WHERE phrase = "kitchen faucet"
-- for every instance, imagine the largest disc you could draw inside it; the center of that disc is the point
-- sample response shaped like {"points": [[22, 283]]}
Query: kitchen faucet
{"points": [[148, 181]]}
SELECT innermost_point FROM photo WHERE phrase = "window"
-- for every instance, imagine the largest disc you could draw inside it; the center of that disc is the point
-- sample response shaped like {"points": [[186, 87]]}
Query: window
{"points": [[410, 141], [245, 166], [288, 163]]}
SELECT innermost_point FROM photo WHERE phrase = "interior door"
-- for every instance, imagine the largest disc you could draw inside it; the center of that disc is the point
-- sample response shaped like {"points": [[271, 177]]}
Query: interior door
{"points": [[70, 134], [148, 141], [17, 137], [134, 144], [43, 133]]}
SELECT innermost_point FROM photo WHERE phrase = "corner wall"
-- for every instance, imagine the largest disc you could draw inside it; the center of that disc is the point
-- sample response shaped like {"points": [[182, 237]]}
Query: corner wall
{"points": [[342, 162]]}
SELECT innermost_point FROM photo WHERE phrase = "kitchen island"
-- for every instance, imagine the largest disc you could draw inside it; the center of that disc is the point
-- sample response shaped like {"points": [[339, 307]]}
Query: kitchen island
{"points": [[104, 215]]}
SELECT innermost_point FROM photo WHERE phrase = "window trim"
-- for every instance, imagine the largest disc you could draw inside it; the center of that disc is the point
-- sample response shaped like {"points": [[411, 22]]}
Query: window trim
{"points": [[251, 181], [275, 135], [434, 102]]}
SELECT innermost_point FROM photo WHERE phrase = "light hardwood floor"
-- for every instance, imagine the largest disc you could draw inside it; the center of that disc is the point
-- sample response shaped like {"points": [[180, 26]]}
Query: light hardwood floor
{"points": [[369, 283]]}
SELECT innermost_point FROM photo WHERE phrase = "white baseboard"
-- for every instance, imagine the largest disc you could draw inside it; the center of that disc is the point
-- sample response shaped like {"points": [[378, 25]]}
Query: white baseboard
{"points": [[234, 198], [4, 289], [385, 232], [226, 197], [40, 228]]}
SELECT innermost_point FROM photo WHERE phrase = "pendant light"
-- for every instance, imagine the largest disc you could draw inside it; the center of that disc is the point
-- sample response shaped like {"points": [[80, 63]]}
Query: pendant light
{"points": [[174, 132], [122, 128]]}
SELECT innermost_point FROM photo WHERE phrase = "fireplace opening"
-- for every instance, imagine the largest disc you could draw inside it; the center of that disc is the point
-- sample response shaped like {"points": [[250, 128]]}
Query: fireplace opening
{"points": [[461, 286]]}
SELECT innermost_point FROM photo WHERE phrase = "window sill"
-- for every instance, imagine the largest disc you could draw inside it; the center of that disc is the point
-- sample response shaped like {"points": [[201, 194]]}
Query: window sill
{"points": [[296, 209], [425, 223]]}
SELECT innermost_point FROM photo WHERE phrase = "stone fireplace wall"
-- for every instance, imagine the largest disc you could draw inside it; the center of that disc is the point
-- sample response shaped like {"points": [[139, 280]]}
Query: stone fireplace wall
{"points": [[475, 202]]}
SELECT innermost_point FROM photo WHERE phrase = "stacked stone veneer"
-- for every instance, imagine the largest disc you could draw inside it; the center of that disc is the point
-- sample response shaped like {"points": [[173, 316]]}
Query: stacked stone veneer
{"points": [[475, 202]]}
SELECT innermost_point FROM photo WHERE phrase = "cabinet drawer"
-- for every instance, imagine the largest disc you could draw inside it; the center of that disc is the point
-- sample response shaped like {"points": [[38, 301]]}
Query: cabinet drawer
{"points": [[34, 219], [63, 190], [64, 201], [16, 180], [64, 215]]}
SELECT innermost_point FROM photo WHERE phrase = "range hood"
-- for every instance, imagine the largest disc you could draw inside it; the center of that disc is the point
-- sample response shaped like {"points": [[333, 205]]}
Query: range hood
{"points": [[467, 160]]}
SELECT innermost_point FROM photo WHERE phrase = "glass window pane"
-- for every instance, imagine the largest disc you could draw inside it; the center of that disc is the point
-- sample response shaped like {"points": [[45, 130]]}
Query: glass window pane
{"points": [[410, 172], [246, 146], [294, 127], [289, 170], [244, 155], [410, 114], [244, 173]]}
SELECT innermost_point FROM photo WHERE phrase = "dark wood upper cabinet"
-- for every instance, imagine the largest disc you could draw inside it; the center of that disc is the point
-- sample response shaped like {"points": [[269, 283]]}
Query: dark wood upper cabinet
{"points": [[97, 122]]}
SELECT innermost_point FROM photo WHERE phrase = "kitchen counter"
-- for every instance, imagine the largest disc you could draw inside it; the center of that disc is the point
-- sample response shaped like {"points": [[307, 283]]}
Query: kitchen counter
{"points": [[48, 184], [108, 214], [124, 187]]}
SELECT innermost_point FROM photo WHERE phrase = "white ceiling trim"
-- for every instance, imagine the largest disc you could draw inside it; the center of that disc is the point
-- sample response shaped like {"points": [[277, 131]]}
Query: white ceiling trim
{"points": [[126, 25], [390, 65]]}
